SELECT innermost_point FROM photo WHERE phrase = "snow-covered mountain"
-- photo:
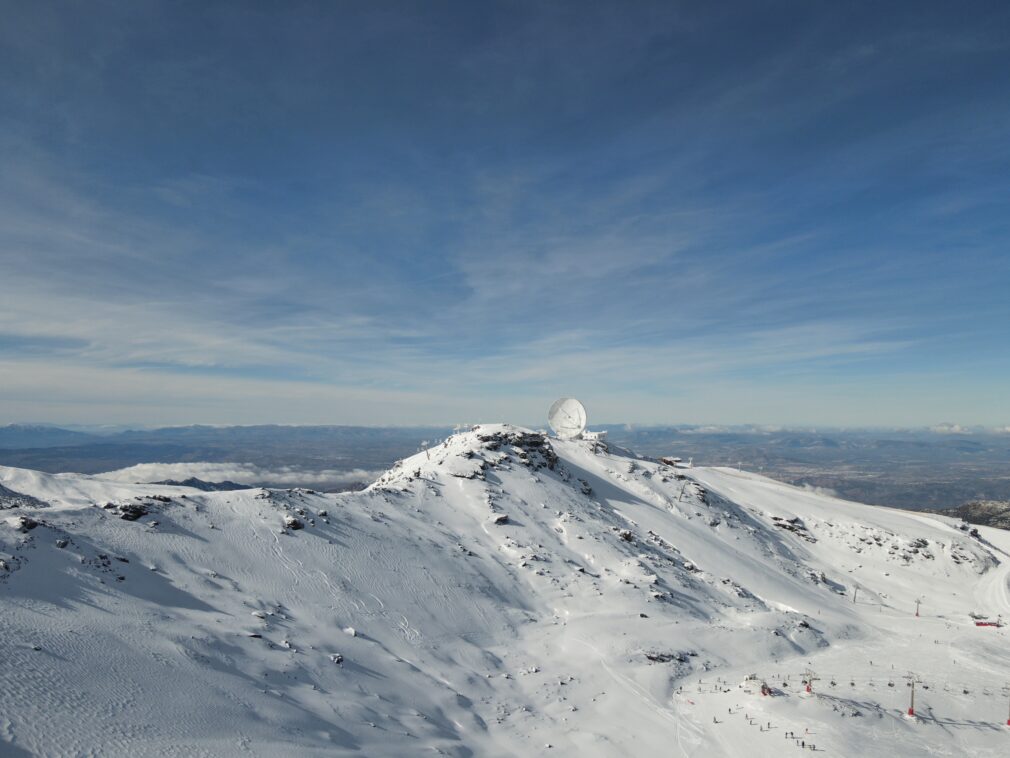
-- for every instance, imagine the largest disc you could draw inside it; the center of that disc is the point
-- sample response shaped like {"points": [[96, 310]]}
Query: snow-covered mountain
{"points": [[502, 593]]}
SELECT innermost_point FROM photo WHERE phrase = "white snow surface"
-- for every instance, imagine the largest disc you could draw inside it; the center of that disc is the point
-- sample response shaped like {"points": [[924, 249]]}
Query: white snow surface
{"points": [[502, 593]]}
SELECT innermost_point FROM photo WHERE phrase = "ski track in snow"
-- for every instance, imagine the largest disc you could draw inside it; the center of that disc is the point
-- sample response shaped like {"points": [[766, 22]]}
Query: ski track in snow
{"points": [[506, 592]]}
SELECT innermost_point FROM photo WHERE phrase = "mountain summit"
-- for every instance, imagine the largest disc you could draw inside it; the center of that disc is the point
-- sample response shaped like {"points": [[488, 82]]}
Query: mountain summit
{"points": [[501, 593]]}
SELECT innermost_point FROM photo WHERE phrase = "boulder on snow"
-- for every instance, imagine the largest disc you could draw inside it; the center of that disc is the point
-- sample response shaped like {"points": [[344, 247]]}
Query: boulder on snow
{"points": [[293, 523], [131, 511], [23, 523], [500, 518]]}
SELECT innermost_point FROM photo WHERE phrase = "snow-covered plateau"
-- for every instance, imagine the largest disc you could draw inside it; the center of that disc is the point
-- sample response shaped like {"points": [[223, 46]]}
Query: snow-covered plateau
{"points": [[503, 593]]}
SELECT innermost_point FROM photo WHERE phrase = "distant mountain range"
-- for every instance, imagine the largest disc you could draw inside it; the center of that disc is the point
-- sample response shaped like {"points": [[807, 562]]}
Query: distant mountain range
{"points": [[35, 436], [303, 447], [26, 436]]}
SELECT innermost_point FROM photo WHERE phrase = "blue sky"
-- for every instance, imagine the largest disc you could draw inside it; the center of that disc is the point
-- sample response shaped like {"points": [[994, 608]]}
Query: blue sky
{"points": [[315, 212]]}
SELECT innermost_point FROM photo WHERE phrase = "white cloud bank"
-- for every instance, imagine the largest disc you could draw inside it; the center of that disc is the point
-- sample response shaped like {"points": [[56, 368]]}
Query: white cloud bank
{"points": [[242, 473], [947, 428]]}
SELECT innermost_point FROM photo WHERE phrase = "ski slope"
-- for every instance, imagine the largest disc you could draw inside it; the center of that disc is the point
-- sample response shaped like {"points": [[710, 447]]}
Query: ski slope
{"points": [[502, 593]]}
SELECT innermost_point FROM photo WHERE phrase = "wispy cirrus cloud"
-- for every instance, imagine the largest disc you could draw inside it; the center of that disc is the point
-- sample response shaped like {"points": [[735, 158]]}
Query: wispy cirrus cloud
{"points": [[241, 230]]}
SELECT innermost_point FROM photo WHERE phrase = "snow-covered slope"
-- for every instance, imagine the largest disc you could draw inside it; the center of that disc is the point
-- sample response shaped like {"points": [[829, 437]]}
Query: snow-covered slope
{"points": [[499, 594]]}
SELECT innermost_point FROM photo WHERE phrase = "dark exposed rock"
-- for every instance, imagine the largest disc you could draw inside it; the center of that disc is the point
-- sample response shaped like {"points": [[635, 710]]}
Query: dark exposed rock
{"points": [[25, 524], [679, 657], [11, 499], [131, 511], [794, 525], [532, 448]]}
